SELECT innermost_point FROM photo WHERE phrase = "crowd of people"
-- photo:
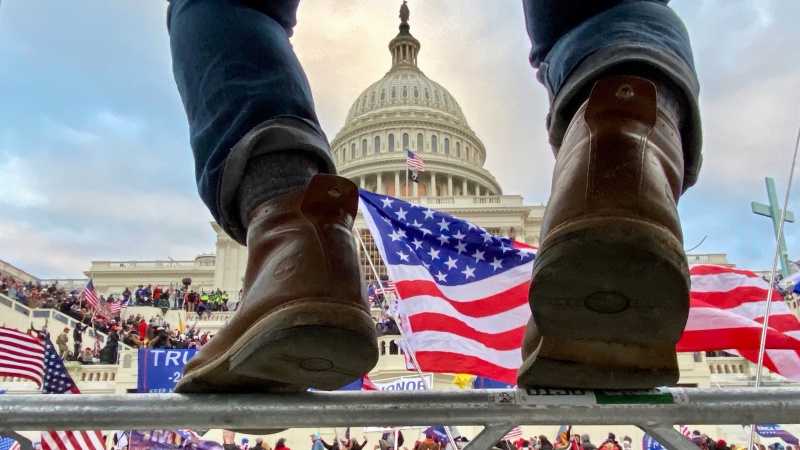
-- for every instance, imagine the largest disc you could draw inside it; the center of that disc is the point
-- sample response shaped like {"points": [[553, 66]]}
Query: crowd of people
{"points": [[135, 331]]}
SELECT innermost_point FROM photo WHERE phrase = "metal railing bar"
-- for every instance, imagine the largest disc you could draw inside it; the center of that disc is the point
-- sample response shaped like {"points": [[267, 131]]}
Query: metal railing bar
{"points": [[392, 408]]}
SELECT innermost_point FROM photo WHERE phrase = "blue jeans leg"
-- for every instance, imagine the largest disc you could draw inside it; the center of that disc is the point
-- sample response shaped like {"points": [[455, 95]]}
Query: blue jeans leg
{"points": [[244, 91], [577, 41]]}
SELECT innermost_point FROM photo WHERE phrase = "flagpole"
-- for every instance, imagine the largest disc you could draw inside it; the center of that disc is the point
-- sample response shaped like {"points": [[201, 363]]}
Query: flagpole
{"points": [[403, 335], [762, 347]]}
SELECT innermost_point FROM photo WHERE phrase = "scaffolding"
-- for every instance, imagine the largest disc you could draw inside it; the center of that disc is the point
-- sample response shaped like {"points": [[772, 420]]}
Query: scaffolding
{"points": [[653, 411]]}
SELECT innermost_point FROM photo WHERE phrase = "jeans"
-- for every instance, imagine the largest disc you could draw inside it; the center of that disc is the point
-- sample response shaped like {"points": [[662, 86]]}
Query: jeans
{"points": [[246, 94]]}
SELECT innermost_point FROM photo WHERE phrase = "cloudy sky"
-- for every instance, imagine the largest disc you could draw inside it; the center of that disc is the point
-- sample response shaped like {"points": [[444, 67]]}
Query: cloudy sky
{"points": [[94, 155]]}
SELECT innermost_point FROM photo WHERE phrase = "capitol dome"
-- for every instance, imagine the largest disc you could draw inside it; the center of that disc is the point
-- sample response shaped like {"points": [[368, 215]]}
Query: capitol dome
{"points": [[406, 110]]}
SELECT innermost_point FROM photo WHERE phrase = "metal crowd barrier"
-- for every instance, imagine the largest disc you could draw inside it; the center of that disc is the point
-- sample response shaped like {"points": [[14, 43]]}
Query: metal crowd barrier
{"points": [[654, 411]]}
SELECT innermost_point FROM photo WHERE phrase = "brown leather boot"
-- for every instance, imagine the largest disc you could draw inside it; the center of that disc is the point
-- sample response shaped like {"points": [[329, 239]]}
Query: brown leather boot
{"points": [[304, 318], [610, 285]]}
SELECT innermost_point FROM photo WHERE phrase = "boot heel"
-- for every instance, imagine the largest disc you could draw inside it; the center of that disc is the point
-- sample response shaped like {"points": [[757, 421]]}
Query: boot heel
{"points": [[320, 345], [598, 365], [611, 279]]}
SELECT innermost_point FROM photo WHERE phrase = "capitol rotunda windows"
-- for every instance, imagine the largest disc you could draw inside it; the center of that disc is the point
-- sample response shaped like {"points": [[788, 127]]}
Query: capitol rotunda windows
{"points": [[458, 149], [420, 142], [364, 147], [434, 144], [377, 148], [391, 143], [353, 151], [405, 141], [446, 146]]}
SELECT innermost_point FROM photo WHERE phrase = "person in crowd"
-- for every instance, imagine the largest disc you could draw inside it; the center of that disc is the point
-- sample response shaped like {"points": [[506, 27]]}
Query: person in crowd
{"points": [[161, 339], [261, 445], [429, 443], [610, 443], [544, 443], [575, 443], [334, 446], [42, 334], [587, 443], [354, 445], [316, 442], [62, 342], [281, 444], [86, 356], [77, 337]]}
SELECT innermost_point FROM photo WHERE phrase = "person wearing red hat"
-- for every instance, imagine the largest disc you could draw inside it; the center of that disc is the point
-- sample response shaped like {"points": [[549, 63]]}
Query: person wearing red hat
{"points": [[62, 342]]}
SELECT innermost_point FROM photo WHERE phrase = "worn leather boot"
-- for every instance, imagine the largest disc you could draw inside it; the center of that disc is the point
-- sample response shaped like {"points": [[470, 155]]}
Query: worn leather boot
{"points": [[610, 285], [304, 318]]}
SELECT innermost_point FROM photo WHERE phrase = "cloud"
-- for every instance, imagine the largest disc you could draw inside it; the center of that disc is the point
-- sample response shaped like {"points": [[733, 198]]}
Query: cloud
{"points": [[19, 183]]}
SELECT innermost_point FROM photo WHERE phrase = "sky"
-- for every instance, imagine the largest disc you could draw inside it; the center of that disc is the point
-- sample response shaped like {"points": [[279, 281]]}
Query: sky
{"points": [[95, 162]]}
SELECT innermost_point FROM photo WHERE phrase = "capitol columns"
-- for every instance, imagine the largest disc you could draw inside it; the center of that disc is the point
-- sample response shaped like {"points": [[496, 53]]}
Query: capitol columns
{"points": [[433, 184], [398, 189], [380, 183], [449, 185], [477, 190], [464, 190], [363, 182]]}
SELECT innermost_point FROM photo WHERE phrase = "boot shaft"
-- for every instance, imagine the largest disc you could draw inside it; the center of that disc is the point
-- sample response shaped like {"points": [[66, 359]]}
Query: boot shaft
{"points": [[621, 155]]}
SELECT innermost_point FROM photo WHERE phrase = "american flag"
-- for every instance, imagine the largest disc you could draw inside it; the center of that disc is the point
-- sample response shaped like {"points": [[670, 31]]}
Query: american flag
{"points": [[727, 313], [464, 291], [684, 430], [90, 295], [515, 433], [8, 444], [414, 161], [58, 381], [114, 307], [21, 355]]}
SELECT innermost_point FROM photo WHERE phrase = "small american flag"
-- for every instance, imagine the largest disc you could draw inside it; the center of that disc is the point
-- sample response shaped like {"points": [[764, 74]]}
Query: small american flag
{"points": [[58, 381], [21, 355], [414, 161], [684, 430], [114, 307], [90, 295], [515, 433], [8, 444]]}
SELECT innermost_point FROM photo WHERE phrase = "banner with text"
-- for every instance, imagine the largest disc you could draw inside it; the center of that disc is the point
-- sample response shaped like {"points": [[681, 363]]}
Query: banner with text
{"points": [[413, 383], [161, 369]]}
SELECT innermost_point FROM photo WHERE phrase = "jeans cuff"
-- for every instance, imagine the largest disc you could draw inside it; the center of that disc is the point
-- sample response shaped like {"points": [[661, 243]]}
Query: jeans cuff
{"points": [[604, 60], [276, 135]]}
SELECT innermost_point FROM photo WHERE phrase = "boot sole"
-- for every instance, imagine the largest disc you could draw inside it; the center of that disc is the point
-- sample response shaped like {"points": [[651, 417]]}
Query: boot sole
{"points": [[311, 343], [607, 287]]}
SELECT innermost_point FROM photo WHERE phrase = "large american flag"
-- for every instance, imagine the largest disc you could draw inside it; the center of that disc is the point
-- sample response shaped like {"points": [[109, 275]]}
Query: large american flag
{"points": [[90, 295], [58, 381], [414, 161], [464, 297], [727, 313], [463, 291], [21, 355]]}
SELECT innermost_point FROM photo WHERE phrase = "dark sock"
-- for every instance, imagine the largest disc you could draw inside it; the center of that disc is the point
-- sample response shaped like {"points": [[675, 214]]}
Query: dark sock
{"points": [[273, 175]]}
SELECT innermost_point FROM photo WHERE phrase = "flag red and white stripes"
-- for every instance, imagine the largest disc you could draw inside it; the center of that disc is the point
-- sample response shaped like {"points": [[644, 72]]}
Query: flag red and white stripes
{"points": [[414, 161], [515, 433], [21, 355], [684, 430], [114, 307], [58, 381], [727, 313], [463, 292], [90, 295]]}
